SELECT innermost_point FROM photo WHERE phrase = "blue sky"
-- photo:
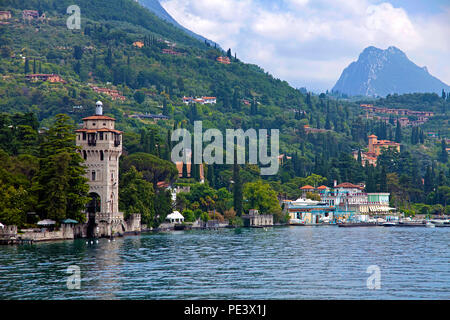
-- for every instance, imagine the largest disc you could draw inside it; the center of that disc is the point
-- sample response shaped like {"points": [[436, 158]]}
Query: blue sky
{"points": [[309, 42]]}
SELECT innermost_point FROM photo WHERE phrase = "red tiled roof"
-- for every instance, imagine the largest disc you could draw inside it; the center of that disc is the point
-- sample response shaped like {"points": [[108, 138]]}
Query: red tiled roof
{"points": [[348, 185], [99, 118], [98, 130], [322, 188], [307, 187]]}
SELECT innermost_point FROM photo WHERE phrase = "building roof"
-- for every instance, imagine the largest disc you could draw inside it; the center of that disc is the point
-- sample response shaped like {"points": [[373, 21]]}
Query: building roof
{"points": [[348, 185], [383, 142], [98, 117], [373, 136], [322, 187], [307, 187], [98, 130]]}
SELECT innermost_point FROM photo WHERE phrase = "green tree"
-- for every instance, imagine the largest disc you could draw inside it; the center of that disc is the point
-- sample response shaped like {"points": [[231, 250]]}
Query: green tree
{"points": [[136, 195], [260, 195], [60, 184]]}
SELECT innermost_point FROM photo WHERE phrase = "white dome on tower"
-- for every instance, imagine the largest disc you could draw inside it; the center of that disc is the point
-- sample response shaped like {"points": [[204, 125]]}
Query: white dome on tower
{"points": [[98, 108]]}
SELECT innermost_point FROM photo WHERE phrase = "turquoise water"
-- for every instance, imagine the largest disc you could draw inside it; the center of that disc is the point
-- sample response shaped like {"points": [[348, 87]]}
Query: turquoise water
{"points": [[280, 263]]}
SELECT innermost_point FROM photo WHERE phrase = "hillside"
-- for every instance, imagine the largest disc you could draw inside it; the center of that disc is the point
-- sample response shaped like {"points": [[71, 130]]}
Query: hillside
{"points": [[381, 72], [138, 64]]}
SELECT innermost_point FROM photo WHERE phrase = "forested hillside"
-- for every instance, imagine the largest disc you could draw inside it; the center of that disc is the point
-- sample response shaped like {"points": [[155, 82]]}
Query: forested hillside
{"points": [[152, 65]]}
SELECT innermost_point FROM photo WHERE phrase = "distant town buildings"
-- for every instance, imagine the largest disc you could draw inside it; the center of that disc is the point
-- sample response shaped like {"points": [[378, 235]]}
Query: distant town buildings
{"points": [[202, 100], [149, 116], [420, 116], [308, 129], [28, 15], [5, 15], [375, 147], [224, 60], [114, 94], [44, 77], [172, 52]]}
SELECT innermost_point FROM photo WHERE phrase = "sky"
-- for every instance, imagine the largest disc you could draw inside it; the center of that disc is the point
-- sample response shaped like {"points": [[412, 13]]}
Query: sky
{"points": [[309, 42]]}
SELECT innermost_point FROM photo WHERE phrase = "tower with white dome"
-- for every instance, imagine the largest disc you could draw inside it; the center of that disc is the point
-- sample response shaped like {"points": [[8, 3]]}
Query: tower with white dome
{"points": [[101, 148]]}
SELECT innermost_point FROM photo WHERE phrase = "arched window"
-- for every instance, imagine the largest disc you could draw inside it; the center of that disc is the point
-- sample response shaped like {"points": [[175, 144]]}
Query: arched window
{"points": [[84, 154], [93, 175], [101, 155]]}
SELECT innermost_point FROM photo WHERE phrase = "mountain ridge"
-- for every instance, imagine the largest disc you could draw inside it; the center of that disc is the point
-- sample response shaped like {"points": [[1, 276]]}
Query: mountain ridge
{"points": [[379, 72], [156, 7]]}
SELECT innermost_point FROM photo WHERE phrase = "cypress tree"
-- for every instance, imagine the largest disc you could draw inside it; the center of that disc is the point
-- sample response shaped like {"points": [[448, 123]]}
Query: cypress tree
{"points": [[237, 187], [443, 157], [27, 66], [184, 171], [383, 180], [327, 122], [398, 132]]}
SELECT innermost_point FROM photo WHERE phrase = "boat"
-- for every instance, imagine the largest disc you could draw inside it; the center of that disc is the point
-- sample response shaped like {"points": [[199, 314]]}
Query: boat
{"points": [[358, 224], [389, 224], [430, 225]]}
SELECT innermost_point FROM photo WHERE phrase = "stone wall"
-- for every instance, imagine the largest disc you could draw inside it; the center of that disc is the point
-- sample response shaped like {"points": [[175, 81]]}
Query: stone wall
{"points": [[66, 232], [133, 223], [258, 220]]}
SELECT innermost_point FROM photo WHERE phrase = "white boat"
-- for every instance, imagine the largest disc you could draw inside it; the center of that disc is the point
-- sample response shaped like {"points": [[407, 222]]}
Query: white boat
{"points": [[430, 225], [389, 224], [304, 202]]}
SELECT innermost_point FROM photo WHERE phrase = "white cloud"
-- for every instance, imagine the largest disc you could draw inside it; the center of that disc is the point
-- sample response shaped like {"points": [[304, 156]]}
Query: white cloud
{"points": [[311, 42]]}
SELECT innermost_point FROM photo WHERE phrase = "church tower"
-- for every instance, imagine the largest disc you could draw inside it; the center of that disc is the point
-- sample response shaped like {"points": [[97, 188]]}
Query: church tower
{"points": [[101, 147]]}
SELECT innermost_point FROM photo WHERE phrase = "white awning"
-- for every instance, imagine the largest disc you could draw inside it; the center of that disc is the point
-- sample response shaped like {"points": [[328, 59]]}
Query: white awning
{"points": [[175, 216]]}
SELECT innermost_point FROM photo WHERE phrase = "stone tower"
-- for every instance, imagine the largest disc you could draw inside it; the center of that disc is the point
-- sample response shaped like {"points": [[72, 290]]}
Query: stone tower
{"points": [[101, 147], [372, 141]]}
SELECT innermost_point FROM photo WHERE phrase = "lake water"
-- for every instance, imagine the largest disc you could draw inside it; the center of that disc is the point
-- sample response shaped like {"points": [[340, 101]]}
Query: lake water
{"points": [[278, 263]]}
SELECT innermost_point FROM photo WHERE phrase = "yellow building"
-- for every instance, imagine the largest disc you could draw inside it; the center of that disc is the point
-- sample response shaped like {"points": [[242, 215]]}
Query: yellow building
{"points": [[375, 145]]}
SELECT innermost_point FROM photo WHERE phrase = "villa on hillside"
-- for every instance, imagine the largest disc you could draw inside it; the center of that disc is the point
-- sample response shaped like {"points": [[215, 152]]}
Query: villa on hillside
{"points": [[375, 148], [202, 100], [138, 44], [5, 15], [179, 166], [44, 77], [308, 129], [224, 60], [172, 52], [114, 94], [28, 15], [398, 112]]}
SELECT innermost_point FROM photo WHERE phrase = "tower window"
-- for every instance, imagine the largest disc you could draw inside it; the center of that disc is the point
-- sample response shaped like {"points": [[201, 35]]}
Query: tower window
{"points": [[93, 175], [100, 135], [101, 155], [84, 135], [84, 154]]}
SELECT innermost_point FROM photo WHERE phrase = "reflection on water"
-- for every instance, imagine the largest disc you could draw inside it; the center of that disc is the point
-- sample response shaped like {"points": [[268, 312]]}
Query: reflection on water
{"points": [[278, 263]]}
